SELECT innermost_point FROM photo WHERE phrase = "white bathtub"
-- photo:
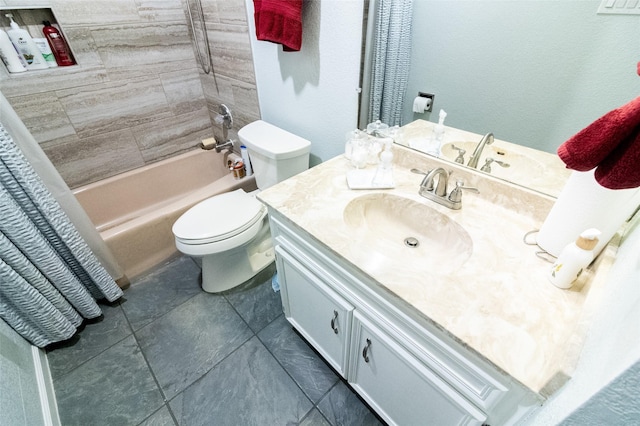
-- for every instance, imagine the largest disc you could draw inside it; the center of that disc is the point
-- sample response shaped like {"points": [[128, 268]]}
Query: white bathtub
{"points": [[134, 211]]}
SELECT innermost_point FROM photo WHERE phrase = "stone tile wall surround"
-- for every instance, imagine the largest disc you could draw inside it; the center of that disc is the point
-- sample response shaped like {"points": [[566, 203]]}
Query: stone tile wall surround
{"points": [[138, 95], [228, 32]]}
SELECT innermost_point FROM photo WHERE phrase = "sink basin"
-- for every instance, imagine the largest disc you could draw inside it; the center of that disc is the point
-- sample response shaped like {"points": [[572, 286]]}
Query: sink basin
{"points": [[519, 165], [391, 231]]}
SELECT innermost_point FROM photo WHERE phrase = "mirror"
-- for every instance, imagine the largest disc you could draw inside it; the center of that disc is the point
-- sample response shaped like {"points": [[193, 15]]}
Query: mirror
{"points": [[531, 73], [535, 169]]}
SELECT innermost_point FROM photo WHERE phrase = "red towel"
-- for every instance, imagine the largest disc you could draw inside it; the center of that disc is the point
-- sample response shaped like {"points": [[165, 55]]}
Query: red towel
{"points": [[279, 21], [611, 144], [621, 168]]}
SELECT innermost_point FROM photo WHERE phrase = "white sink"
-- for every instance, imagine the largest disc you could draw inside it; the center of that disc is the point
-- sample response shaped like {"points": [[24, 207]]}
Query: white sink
{"points": [[389, 231]]}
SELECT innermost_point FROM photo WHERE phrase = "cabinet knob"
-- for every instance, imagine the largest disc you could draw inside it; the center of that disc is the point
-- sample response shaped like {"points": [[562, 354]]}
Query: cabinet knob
{"points": [[334, 322], [365, 351]]}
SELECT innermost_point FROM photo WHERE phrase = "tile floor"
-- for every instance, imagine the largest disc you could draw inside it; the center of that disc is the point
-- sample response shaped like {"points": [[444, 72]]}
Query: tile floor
{"points": [[170, 354]]}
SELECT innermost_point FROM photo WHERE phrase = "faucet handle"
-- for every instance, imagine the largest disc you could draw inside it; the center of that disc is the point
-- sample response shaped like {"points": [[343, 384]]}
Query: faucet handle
{"points": [[461, 152], [456, 194], [419, 172], [487, 164], [224, 116]]}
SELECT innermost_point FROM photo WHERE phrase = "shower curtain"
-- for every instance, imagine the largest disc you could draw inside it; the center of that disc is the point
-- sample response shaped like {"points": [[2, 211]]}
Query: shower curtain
{"points": [[58, 188], [391, 60], [49, 278]]}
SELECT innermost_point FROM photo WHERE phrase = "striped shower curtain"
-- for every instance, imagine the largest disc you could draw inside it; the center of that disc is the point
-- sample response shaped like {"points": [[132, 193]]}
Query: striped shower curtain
{"points": [[391, 60], [49, 278]]}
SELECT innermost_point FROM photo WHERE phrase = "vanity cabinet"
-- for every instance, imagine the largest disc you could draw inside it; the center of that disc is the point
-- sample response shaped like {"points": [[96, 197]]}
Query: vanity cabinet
{"points": [[407, 369], [315, 310], [401, 388]]}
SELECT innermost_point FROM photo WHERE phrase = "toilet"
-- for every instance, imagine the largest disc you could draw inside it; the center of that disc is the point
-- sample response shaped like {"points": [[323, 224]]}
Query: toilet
{"points": [[229, 232]]}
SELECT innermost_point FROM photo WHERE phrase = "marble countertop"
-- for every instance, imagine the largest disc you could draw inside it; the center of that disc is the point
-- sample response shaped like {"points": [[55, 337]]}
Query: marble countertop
{"points": [[499, 303]]}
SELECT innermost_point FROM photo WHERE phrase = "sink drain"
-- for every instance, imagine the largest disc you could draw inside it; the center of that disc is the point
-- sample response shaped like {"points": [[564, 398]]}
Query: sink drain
{"points": [[411, 242]]}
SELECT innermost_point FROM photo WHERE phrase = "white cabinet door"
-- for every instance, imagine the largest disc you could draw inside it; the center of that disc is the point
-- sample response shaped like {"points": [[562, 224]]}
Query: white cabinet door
{"points": [[317, 312], [400, 387]]}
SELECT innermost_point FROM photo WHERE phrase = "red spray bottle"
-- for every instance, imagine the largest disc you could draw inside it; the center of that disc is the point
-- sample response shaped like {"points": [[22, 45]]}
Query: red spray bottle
{"points": [[59, 46]]}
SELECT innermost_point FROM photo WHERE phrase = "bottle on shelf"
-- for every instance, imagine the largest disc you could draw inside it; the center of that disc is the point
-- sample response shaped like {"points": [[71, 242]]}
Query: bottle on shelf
{"points": [[58, 45], [25, 46], [45, 49], [14, 62]]}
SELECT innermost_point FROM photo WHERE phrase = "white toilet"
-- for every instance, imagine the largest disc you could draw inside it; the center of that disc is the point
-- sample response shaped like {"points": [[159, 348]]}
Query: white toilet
{"points": [[230, 232]]}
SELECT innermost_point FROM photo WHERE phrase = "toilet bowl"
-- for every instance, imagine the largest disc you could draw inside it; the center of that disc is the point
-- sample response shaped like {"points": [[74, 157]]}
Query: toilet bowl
{"points": [[229, 233]]}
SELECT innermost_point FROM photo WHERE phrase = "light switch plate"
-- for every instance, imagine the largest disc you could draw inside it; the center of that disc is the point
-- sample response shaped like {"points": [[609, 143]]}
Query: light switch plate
{"points": [[619, 7]]}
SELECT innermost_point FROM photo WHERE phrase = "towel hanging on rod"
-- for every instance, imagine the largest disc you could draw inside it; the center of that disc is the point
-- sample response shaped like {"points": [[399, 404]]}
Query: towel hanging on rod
{"points": [[611, 145], [279, 21]]}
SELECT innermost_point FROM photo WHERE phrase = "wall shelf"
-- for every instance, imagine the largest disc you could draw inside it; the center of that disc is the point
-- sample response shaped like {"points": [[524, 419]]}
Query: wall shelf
{"points": [[31, 19]]}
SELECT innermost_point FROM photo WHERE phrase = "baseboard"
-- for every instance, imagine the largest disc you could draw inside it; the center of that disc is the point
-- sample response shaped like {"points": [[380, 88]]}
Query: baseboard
{"points": [[45, 388]]}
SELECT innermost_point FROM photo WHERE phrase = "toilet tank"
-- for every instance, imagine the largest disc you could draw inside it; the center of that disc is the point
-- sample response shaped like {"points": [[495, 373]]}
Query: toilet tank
{"points": [[275, 153]]}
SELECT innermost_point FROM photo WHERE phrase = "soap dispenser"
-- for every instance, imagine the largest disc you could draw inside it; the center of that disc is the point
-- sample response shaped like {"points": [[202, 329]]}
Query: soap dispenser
{"points": [[26, 47], [383, 177], [437, 135], [573, 259]]}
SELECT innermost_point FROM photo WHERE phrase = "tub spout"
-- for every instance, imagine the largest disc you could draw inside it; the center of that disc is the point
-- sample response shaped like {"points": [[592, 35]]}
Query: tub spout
{"points": [[224, 145]]}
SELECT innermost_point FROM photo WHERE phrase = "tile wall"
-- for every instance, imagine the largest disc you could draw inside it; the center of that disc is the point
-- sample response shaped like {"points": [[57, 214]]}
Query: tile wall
{"points": [[137, 94]]}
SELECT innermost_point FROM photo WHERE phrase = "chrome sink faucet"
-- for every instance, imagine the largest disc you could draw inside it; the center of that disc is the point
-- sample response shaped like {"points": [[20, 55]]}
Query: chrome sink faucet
{"points": [[438, 192], [443, 177], [475, 157]]}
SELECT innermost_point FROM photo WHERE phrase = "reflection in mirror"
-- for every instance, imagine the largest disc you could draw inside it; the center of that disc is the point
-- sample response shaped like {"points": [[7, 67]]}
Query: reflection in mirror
{"points": [[535, 169], [494, 69]]}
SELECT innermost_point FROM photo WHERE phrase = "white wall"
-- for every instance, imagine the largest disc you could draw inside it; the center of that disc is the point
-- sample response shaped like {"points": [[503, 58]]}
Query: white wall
{"points": [[611, 351], [532, 72], [313, 93]]}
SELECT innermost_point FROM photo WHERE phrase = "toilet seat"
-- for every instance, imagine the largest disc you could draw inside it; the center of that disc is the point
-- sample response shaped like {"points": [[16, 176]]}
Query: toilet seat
{"points": [[220, 218]]}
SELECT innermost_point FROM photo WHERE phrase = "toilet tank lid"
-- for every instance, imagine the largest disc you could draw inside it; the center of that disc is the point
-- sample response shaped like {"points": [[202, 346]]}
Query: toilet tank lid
{"points": [[271, 141]]}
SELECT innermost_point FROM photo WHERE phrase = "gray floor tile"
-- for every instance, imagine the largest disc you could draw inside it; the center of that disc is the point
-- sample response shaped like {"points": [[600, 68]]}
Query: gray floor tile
{"points": [[203, 355], [114, 388], [156, 293], [342, 407], [92, 340], [309, 371], [187, 342], [315, 418], [162, 417], [255, 301], [247, 388]]}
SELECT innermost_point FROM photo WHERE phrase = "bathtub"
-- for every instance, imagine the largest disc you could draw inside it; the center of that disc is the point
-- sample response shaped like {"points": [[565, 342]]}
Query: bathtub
{"points": [[134, 211]]}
